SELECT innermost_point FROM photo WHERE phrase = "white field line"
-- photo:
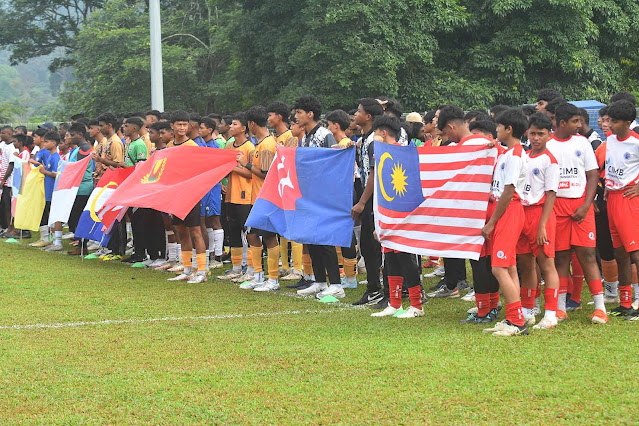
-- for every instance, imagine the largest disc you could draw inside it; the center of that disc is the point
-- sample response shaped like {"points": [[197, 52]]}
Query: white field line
{"points": [[168, 319]]}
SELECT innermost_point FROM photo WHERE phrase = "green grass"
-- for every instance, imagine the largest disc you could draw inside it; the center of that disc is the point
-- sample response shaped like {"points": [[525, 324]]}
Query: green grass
{"points": [[306, 363]]}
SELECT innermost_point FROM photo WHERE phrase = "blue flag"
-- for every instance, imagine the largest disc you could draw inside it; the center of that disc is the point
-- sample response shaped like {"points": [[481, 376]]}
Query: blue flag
{"points": [[307, 196]]}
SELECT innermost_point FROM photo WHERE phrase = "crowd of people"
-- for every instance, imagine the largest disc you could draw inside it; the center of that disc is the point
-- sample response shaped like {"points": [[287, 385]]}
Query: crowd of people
{"points": [[561, 206]]}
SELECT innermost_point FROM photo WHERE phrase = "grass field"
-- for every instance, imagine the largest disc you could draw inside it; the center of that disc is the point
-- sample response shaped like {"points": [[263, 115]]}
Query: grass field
{"points": [[100, 342]]}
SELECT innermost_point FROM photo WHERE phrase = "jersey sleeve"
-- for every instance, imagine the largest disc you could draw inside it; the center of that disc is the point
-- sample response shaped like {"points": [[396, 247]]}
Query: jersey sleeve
{"points": [[590, 161], [513, 169], [140, 152], [329, 141], [117, 151], [551, 177], [266, 158]]}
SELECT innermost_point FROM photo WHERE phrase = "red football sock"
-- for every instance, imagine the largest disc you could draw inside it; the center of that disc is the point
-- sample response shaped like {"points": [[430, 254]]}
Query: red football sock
{"points": [[538, 290], [494, 300], [415, 295], [563, 284], [483, 304], [514, 313], [595, 287], [527, 297], [550, 298], [625, 295], [395, 288]]}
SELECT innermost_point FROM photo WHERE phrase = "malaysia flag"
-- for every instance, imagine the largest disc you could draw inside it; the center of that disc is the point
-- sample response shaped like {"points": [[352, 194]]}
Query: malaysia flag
{"points": [[307, 196], [432, 200], [90, 225], [66, 189]]}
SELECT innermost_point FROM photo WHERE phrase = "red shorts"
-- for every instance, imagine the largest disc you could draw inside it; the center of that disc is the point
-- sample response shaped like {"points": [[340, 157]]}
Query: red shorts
{"points": [[570, 233], [622, 219], [502, 244], [528, 240]]}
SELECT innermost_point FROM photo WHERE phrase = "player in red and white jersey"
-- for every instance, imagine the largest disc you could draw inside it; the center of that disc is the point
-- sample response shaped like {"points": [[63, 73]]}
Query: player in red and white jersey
{"points": [[507, 219], [622, 175], [578, 176], [537, 240]]}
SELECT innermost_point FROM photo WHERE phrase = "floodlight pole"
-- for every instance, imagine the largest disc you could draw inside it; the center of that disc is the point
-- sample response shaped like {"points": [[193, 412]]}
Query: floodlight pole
{"points": [[157, 84]]}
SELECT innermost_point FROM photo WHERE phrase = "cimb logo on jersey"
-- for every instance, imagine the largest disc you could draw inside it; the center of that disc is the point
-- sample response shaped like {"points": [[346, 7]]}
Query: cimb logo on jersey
{"points": [[613, 171]]}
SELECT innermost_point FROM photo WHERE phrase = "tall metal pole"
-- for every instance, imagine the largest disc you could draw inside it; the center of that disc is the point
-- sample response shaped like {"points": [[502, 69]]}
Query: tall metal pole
{"points": [[157, 84]]}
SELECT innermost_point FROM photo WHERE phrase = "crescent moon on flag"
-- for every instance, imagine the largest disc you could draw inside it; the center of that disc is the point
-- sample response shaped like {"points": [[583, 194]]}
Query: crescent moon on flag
{"points": [[383, 158], [92, 211]]}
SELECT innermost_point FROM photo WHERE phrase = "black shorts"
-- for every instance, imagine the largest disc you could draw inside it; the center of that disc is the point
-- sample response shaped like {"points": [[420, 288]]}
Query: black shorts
{"points": [[191, 220], [45, 213], [238, 213], [261, 232]]}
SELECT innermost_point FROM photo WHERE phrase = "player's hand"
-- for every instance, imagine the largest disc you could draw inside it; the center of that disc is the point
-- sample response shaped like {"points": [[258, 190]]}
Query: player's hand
{"points": [[542, 238], [96, 158], [491, 144], [580, 213], [240, 159], [41, 169], [487, 230], [349, 144], [357, 210], [632, 191]]}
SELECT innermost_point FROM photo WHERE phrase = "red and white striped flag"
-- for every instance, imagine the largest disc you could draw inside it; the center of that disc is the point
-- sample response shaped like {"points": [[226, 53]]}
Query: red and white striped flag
{"points": [[432, 200], [66, 189]]}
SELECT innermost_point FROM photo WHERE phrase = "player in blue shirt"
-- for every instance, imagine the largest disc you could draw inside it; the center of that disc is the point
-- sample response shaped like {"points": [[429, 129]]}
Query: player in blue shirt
{"points": [[50, 170]]}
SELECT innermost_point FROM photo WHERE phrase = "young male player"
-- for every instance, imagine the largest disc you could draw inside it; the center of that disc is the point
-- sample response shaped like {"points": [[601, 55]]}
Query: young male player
{"points": [[188, 230], [622, 187], [578, 176], [507, 219], [50, 171], [538, 237], [258, 164], [400, 268]]}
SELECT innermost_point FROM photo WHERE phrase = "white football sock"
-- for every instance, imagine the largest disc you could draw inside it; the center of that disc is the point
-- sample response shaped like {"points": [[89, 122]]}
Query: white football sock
{"points": [[218, 238]]}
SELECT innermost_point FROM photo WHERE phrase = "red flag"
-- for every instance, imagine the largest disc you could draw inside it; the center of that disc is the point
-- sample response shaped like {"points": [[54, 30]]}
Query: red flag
{"points": [[174, 180]]}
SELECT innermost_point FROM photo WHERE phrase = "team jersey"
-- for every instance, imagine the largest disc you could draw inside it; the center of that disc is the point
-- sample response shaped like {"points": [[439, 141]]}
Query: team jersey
{"points": [[575, 157], [542, 176], [188, 142], [510, 170], [284, 137], [239, 187], [262, 157], [622, 161], [136, 152], [473, 140]]}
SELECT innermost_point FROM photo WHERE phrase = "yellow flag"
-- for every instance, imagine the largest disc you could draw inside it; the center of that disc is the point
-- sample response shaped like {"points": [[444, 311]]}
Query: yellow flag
{"points": [[30, 203]]}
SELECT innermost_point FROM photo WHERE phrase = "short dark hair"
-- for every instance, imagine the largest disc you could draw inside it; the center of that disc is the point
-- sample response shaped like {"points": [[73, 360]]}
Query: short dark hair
{"points": [[195, 117], [547, 95], [209, 122], [179, 115], [41, 131], [241, 117], [292, 118], [157, 126], [477, 115], [78, 128], [165, 116], [371, 106], [154, 112], [215, 116], [528, 110], [498, 109], [23, 128], [136, 121], [352, 112], [565, 112], [52, 136], [258, 115], [584, 114], [339, 117], [227, 119], [309, 103], [64, 126], [21, 138], [622, 110], [279, 108], [395, 107], [389, 123], [553, 104], [487, 126], [604, 111], [449, 113], [429, 117], [109, 118], [93, 122], [623, 95], [76, 117], [413, 129], [514, 118], [541, 121]]}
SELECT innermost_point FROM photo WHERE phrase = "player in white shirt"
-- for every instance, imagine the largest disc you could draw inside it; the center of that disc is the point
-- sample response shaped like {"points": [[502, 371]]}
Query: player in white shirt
{"points": [[538, 237], [507, 219], [622, 188], [578, 176]]}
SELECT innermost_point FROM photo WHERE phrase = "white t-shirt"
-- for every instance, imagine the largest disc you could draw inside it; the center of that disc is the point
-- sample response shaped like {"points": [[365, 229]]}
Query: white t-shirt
{"points": [[511, 169], [622, 161], [35, 150], [7, 155], [542, 176], [575, 157]]}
